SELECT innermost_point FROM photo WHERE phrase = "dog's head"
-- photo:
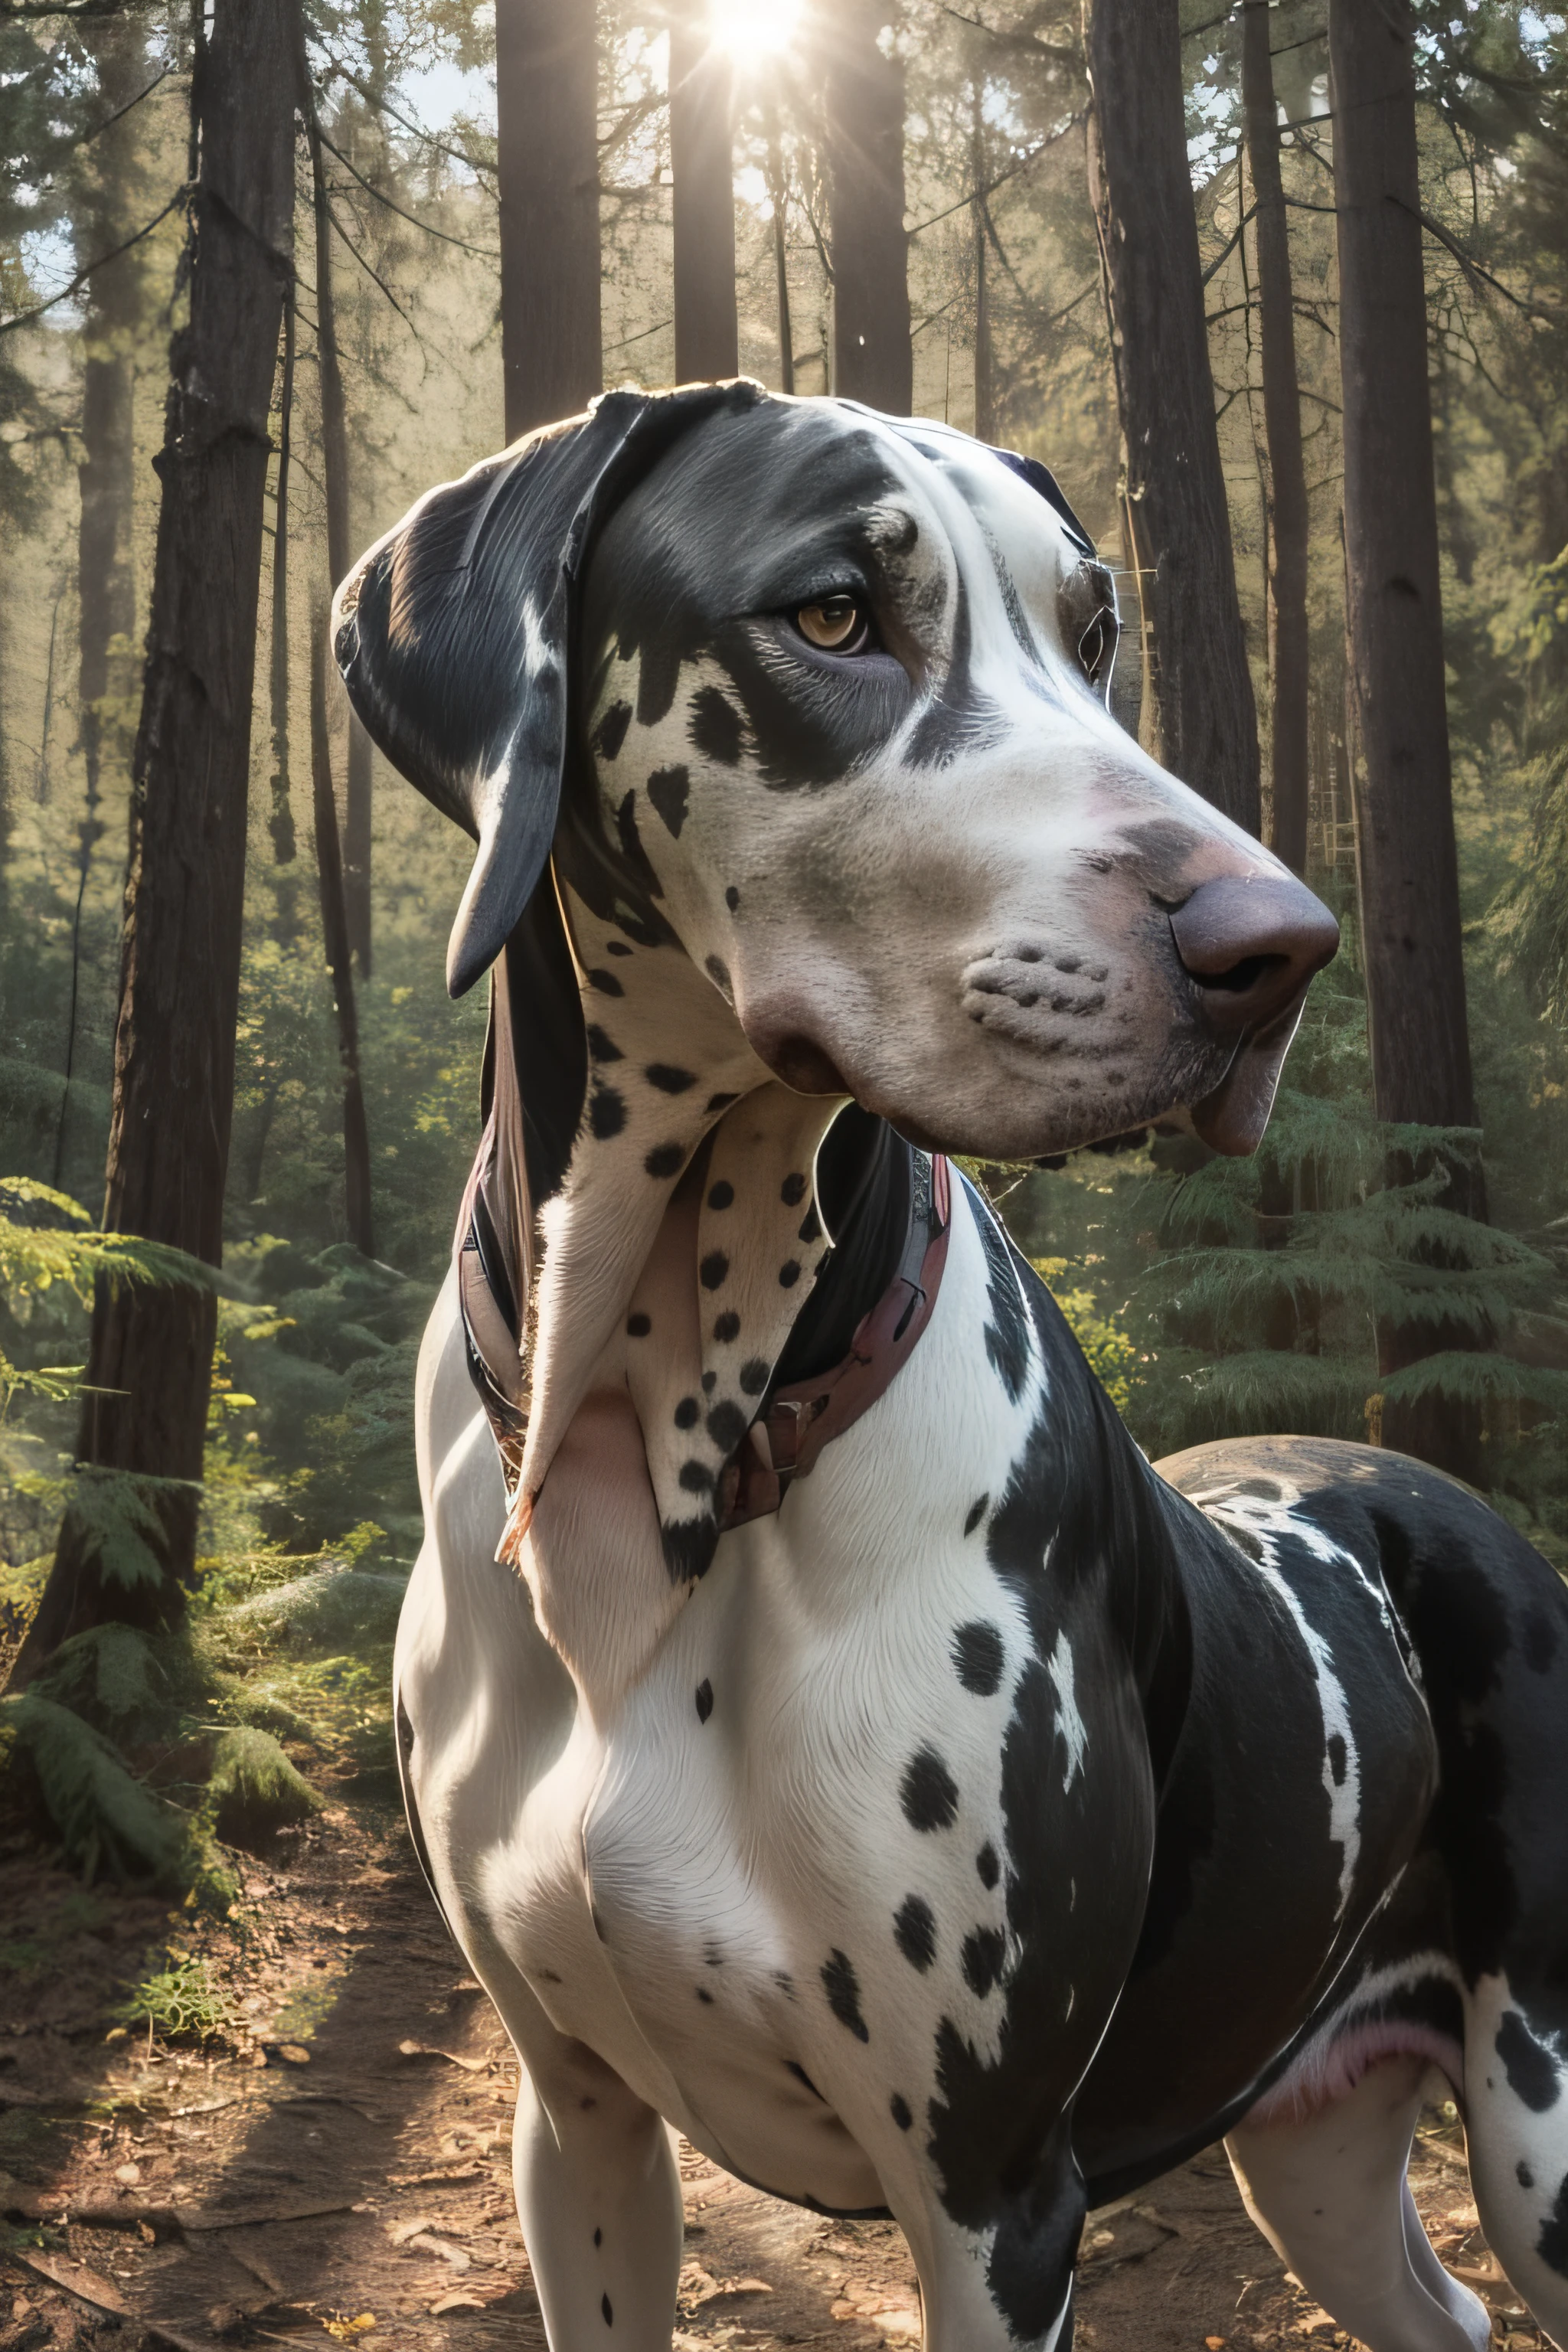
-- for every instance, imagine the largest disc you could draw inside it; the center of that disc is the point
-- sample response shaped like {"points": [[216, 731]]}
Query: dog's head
{"points": [[820, 694]]}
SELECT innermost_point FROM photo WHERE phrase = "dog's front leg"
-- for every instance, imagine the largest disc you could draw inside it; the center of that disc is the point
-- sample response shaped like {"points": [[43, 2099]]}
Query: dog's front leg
{"points": [[1001, 2278], [599, 2195]]}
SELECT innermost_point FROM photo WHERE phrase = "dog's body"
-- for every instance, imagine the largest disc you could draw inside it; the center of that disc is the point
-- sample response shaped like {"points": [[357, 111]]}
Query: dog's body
{"points": [[973, 1826]]}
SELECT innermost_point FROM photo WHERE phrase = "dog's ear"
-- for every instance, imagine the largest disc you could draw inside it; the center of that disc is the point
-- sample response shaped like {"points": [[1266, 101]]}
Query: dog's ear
{"points": [[454, 638]]}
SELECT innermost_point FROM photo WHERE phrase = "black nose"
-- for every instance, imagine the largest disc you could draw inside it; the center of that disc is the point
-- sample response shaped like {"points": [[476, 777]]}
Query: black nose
{"points": [[1252, 945]]}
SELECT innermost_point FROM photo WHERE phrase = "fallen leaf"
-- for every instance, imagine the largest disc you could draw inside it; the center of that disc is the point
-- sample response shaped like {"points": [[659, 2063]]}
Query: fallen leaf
{"points": [[345, 2329], [75, 2277], [401, 2231], [429, 2050], [457, 2301], [425, 2244], [1213, 2343], [129, 2173], [294, 2052]]}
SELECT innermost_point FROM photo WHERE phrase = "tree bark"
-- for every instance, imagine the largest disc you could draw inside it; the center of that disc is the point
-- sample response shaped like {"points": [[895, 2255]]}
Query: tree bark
{"points": [[1406, 862], [150, 1364], [1199, 693], [335, 933], [863, 102], [356, 843], [702, 137], [778, 200], [280, 822], [548, 161], [1288, 660]]}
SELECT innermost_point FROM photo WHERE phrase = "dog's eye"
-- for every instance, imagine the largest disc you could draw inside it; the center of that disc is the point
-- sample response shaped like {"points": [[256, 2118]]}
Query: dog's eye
{"points": [[1096, 645], [836, 623]]}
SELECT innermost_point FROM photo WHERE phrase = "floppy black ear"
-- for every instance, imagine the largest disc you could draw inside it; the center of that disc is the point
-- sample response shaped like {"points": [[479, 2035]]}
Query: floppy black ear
{"points": [[453, 636]]}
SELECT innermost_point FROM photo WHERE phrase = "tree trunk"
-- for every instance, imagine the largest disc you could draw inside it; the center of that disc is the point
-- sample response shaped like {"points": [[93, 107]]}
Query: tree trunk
{"points": [[106, 577], [984, 402], [863, 97], [547, 161], [335, 933], [1199, 690], [340, 549], [150, 1364], [280, 822], [1407, 863], [700, 162], [1287, 471], [778, 199]]}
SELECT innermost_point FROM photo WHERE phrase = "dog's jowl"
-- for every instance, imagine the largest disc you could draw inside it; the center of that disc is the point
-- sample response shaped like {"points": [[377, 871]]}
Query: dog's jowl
{"points": [[824, 1731]]}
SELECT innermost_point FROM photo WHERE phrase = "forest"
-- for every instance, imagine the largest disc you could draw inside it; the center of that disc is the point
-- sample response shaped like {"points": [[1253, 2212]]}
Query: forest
{"points": [[268, 270]]}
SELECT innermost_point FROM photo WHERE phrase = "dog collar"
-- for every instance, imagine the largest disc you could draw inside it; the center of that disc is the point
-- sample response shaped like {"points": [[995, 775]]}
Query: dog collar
{"points": [[794, 1424], [796, 1421]]}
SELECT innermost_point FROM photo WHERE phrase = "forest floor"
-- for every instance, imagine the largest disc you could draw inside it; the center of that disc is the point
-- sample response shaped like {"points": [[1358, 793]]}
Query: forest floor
{"points": [[333, 2163]]}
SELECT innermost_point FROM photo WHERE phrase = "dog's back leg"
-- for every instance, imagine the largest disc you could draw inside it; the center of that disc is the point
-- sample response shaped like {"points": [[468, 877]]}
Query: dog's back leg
{"points": [[1516, 2131], [1330, 2193]]}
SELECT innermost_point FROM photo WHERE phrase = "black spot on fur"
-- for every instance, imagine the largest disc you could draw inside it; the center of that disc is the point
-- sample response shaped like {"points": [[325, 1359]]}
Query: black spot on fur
{"points": [[928, 1792], [792, 1191], [714, 1269], [715, 728], [704, 1995], [718, 972], [1553, 2243], [789, 1273], [1008, 1332], [603, 1048], [696, 1478], [639, 1326], [688, 1546], [718, 1102], [606, 983], [709, 1381], [598, 2237], [753, 1376], [899, 2109], [810, 1226], [617, 947], [732, 897], [712, 1956], [607, 1113], [704, 1699], [685, 1412], [667, 1079], [727, 1328], [606, 2307], [975, 1513], [667, 788], [721, 1195], [726, 1426], [1531, 2075], [979, 1656], [985, 1949], [914, 1931], [792, 2066], [665, 1159], [842, 1987], [611, 730], [986, 1863], [1538, 1641], [1523, 2175]]}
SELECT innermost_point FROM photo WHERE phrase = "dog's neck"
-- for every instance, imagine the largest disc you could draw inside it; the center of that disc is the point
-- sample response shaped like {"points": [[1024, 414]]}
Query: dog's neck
{"points": [[676, 1256]]}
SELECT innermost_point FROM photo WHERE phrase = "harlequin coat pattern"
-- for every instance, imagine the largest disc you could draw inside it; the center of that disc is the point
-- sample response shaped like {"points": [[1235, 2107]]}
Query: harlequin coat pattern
{"points": [[823, 1730]]}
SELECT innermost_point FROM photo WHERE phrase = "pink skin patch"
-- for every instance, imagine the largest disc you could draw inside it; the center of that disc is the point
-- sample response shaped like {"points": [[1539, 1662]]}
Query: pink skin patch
{"points": [[1323, 2074]]}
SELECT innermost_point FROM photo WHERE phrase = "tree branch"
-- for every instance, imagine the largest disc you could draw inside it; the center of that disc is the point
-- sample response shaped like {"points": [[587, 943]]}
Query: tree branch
{"points": [[484, 252], [23, 318]]}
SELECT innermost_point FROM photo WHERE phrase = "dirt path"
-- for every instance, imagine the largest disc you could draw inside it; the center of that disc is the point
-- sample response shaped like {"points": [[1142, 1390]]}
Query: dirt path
{"points": [[336, 2166]]}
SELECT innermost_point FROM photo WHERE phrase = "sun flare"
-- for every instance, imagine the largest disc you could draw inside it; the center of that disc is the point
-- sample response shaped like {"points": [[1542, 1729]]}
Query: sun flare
{"points": [[754, 28]]}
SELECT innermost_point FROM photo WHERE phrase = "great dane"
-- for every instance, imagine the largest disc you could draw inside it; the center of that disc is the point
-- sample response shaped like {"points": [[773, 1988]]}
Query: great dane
{"points": [[823, 1732]]}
